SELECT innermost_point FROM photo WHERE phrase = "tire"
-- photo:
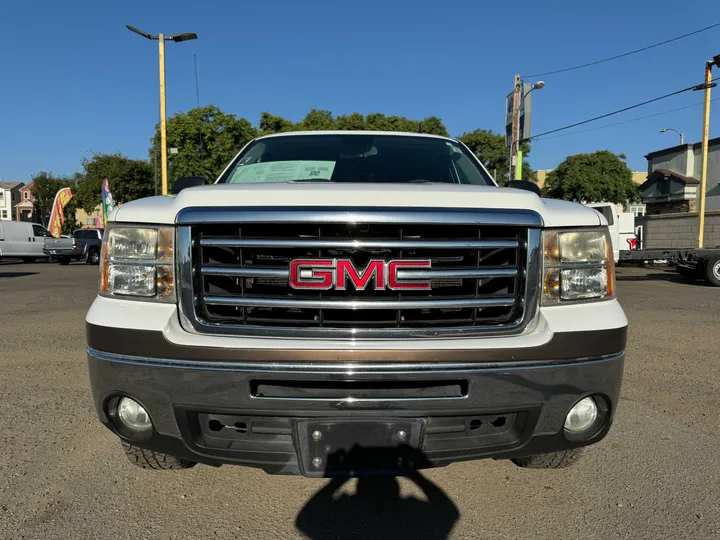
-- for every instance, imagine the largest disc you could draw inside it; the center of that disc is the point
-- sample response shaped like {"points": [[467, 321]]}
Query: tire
{"points": [[64, 260], [147, 459], [93, 257], [553, 460], [28, 260], [712, 270]]}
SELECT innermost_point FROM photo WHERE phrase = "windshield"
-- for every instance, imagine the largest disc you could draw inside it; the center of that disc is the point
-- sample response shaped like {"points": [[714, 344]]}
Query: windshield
{"points": [[355, 158]]}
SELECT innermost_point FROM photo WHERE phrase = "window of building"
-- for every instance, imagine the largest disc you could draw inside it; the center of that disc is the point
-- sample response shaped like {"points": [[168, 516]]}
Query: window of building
{"points": [[638, 210], [4, 214], [2, 195], [26, 195]]}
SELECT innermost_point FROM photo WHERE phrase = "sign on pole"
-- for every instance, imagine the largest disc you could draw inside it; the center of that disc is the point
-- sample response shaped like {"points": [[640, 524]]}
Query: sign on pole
{"points": [[524, 115]]}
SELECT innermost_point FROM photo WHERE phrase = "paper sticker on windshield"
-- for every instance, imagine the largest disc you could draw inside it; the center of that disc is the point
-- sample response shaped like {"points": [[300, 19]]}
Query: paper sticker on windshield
{"points": [[282, 171]]}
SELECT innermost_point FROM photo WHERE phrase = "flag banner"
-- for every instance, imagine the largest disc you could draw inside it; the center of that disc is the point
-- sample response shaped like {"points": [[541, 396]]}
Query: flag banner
{"points": [[108, 204], [57, 216]]}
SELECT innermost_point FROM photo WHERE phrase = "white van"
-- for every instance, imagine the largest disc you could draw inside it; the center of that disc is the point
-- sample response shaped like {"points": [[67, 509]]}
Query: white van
{"points": [[22, 240], [620, 224]]}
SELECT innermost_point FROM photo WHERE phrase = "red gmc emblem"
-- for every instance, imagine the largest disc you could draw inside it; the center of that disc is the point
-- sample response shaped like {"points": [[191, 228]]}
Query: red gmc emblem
{"points": [[326, 274]]}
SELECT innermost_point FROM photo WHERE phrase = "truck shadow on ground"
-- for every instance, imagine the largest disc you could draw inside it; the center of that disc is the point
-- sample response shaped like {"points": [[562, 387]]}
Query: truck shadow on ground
{"points": [[657, 274], [377, 510], [16, 274]]}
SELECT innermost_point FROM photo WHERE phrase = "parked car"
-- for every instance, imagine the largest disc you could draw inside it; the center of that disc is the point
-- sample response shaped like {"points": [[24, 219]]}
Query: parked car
{"points": [[83, 245], [22, 240]]}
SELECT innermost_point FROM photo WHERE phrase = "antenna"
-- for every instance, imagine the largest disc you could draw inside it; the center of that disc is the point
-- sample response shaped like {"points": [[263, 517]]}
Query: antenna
{"points": [[197, 86]]}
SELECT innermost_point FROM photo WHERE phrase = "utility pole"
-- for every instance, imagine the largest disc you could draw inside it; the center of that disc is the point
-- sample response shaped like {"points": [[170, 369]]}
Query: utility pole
{"points": [[163, 116], [515, 129], [705, 136]]}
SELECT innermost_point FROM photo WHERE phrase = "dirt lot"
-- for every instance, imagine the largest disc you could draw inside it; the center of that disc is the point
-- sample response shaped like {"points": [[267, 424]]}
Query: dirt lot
{"points": [[657, 475]]}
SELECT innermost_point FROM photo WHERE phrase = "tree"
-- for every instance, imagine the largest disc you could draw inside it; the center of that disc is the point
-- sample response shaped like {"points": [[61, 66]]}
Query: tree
{"points": [[44, 188], [318, 119], [206, 140], [491, 149], [129, 179], [270, 123], [598, 177]]}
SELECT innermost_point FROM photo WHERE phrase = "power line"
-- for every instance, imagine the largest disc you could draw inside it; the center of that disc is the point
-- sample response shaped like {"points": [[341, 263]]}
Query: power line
{"points": [[624, 54], [617, 112], [630, 121]]}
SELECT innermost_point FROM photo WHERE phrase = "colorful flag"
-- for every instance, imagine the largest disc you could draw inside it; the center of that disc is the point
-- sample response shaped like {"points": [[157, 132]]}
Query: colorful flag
{"points": [[57, 216], [108, 204]]}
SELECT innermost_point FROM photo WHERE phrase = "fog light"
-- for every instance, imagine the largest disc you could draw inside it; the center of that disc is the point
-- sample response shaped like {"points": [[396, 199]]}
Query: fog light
{"points": [[133, 415], [582, 416]]}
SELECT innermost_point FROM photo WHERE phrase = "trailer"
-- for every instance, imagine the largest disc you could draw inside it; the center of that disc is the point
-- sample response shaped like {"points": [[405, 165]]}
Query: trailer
{"points": [[696, 263]]}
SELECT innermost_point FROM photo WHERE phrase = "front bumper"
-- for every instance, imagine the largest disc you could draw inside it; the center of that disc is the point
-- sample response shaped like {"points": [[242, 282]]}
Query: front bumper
{"points": [[251, 407]]}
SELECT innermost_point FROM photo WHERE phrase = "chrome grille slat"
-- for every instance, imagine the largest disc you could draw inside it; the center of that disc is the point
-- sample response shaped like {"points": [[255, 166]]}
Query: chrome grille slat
{"points": [[357, 244], [234, 272], [239, 271], [357, 304]]}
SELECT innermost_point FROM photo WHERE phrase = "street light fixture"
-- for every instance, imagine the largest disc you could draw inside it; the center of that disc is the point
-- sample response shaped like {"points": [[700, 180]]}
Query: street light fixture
{"points": [[162, 38], [682, 137]]}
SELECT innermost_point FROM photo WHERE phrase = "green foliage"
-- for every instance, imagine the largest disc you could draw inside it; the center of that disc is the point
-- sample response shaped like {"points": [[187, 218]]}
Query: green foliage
{"points": [[274, 124], [490, 148], [317, 120], [44, 188], [129, 179], [206, 139], [598, 177]]}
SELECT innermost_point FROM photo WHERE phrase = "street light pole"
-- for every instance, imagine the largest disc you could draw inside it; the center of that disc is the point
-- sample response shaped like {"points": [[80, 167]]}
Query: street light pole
{"points": [[162, 38], [515, 128], [163, 116], [682, 136], [519, 96]]}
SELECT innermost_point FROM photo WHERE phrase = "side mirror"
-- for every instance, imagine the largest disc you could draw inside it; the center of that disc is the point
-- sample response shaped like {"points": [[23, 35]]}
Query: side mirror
{"points": [[185, 182], [526, 185]]}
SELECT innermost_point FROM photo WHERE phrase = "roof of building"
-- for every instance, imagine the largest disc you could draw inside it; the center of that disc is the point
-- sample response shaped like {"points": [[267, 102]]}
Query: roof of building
{"points": [[680, 148], [27, 203], [10, 185], [659, 174]]}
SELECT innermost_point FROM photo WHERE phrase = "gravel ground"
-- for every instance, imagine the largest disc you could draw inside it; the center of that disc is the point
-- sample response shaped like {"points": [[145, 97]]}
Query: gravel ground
{"points": [[657, 475]]}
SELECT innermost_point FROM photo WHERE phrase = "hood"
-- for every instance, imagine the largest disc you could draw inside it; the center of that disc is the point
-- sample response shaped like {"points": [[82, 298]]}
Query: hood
{"points": [[163, 210]]}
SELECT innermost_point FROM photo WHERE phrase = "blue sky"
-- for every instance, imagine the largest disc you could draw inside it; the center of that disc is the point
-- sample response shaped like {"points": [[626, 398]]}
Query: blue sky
{"points": [[76, 81]]}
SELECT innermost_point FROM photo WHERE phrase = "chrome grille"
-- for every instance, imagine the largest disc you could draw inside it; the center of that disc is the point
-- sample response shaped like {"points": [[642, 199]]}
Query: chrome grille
{"points": [[235, 271]]}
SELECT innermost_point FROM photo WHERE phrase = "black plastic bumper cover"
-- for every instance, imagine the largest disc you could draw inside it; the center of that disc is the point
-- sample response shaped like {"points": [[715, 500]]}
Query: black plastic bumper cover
{"points": [[215, 414]]}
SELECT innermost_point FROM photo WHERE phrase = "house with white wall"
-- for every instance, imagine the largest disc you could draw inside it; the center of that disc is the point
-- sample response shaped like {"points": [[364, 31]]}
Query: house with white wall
{"points": [[9, 197]]}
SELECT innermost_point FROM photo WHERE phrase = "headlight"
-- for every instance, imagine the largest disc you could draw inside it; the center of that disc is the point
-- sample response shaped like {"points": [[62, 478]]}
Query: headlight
{"points": [[577, 265], [138, 262]]}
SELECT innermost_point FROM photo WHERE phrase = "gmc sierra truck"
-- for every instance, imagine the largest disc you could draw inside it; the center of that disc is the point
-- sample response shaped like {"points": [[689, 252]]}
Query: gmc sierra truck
{"points": [[346, 303]]}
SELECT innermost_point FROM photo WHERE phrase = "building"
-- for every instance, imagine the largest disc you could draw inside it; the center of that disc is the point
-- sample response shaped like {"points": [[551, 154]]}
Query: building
{"points": [[89, 220], [637, 177], [9, 196], [24, 208], [674, 177], [671, 195]]}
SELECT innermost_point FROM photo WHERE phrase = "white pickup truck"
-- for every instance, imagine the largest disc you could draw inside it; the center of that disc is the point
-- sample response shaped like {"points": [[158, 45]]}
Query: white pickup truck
{"points": [[339, 303]]}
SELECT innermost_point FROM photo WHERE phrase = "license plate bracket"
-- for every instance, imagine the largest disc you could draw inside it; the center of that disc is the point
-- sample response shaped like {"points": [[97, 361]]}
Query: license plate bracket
{"points": [[351, 447]]}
